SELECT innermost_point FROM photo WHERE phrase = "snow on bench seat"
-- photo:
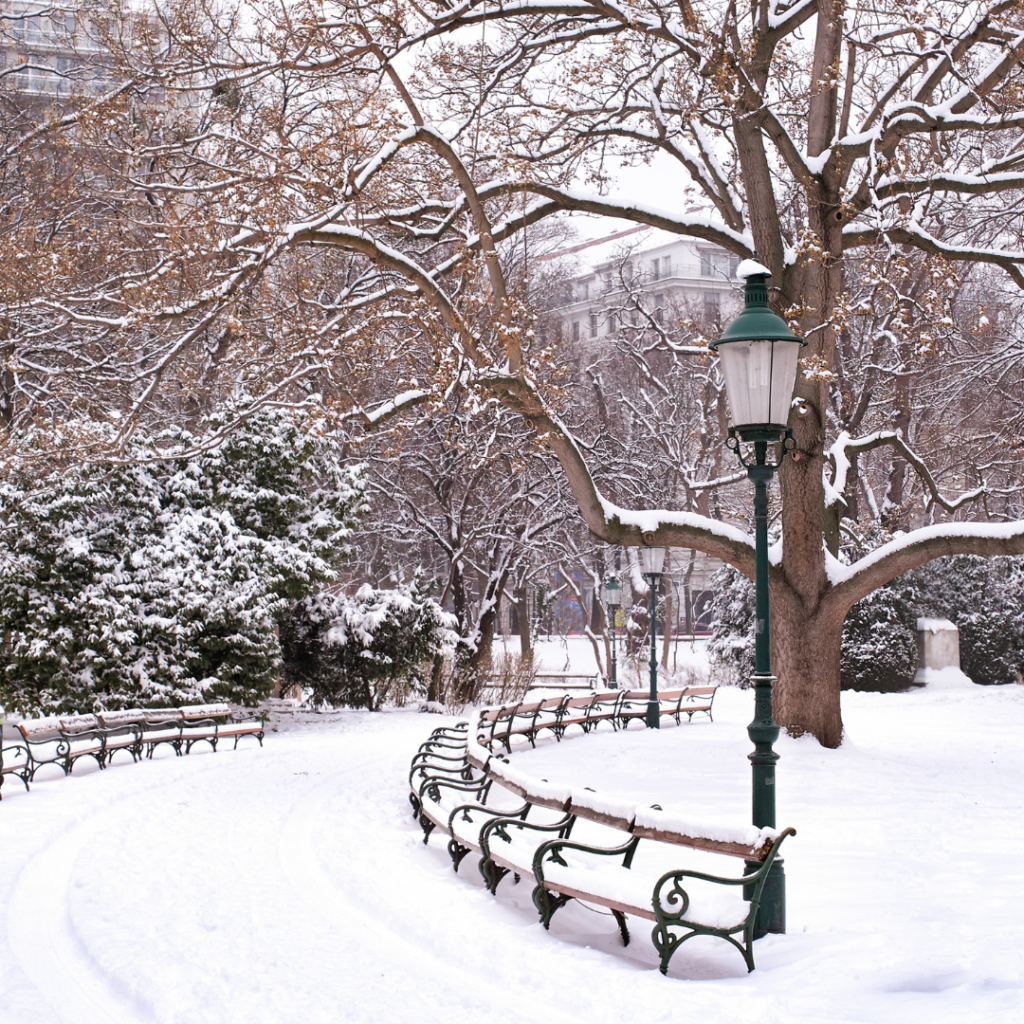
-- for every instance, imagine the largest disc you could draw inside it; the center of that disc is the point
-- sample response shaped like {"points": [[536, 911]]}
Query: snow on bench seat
{"points": [[607, 883]]}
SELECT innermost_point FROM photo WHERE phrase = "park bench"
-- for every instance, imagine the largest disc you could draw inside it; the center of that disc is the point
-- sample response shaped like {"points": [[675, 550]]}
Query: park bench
{"points": [[675, 703], [524, 719], [566, 680], [62, 740], [15, 759], [441, 756], [589, 712], [212, 723], [576, 844], [619, 707], [637, 876]]}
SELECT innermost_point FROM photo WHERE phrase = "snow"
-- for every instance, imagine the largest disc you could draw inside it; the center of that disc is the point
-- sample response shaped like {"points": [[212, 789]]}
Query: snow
{"points": [[291, 883], [934, 625], [839, 573], [948, 678], [748, 268]]}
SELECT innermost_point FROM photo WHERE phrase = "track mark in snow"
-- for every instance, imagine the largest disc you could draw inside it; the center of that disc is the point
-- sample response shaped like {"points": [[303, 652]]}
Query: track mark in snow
{"points": [[430, 974], [42, 937]]}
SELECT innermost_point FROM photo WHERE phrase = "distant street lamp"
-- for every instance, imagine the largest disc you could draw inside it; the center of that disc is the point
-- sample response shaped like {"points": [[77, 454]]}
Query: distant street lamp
{"points": [[652, 562], [759, 363], [611, 592]]}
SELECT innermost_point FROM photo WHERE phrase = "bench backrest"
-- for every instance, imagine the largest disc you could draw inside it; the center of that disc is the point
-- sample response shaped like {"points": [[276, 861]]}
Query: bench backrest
{"points": [[671, 694], [205, 711], [581, 702]]}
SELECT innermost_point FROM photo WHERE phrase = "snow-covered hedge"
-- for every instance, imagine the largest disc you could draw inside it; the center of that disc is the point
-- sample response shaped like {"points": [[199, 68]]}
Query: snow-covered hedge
{"points": [[363, 650], [161, 581], [879, 646], [732, 625], [985, 598]]}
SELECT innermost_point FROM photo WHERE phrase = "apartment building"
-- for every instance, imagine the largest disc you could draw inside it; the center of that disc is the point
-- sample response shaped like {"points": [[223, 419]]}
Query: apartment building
{"points": [[50, 52], [673, 276]]}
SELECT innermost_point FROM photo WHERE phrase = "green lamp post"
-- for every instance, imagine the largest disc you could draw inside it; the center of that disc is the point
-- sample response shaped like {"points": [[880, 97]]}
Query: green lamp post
{"points": [[652, 562], [759, 356], [611, 593]]}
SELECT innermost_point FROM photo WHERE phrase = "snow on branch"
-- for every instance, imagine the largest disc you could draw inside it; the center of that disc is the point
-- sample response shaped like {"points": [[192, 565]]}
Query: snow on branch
{"points": [[384, 411], [845, 446], [909, 550], [915, 234], [697, 225]]}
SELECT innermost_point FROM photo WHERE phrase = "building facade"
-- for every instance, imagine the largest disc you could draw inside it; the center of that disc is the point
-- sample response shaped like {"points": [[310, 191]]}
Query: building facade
{"points": [[672, 277]]}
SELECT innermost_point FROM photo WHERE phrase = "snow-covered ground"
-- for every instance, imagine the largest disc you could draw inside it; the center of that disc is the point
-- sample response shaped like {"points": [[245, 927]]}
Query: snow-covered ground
{"points": [[290, 884]]}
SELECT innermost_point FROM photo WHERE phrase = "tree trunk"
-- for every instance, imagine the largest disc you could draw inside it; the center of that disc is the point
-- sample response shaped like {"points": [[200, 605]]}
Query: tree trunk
{"points": [[480, 659], [521, 594], [805, 660], [434, 688]]}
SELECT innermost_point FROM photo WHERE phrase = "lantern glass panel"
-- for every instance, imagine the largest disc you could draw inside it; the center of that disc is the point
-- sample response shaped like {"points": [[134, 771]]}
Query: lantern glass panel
{"points": [[759, 379], [652, 560]]}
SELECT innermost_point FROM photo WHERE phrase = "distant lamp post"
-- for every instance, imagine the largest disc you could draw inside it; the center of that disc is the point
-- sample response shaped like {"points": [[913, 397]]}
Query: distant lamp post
{"points": [[652, 562], [759, 356], [612, 594]]}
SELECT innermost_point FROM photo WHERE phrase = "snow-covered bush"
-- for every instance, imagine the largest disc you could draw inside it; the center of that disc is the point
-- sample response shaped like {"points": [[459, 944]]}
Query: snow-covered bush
{"points": [[161, 581], [731, 649], [985, 598], [367, 649], [879, 646]]}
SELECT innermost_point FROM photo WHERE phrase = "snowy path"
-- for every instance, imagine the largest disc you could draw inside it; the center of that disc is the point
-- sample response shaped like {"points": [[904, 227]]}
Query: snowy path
{"points": [[290, 884]]}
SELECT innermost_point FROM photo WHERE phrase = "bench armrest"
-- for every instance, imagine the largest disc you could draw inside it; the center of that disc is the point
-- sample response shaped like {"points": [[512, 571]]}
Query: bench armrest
{"points": [[464, 810], [432, 787], [552, 850], [499, 826], [675, 896]]}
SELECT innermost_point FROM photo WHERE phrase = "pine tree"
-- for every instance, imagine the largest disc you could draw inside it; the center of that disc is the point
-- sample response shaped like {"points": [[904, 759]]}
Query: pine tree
{"points": [[162, 580]]}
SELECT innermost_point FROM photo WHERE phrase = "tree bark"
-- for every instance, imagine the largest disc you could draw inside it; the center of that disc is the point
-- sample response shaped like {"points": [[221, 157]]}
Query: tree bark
{"points": [[521, 594], [805, 660]]}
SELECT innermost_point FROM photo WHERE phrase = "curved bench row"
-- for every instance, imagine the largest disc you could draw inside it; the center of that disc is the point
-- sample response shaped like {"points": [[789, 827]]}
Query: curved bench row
{"points": [[62, 740], [564, 838], [526, 719]]}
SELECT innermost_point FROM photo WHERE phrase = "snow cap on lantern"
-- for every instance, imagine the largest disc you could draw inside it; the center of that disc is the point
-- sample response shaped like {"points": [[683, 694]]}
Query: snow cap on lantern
{"points": [[759, 358]]}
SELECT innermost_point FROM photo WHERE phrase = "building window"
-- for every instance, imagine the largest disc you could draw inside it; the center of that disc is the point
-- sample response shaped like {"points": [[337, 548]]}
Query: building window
{"points": [[575, 330], [593, 325], [712, 305], [656, 269], [718, 264], [659, 307]]}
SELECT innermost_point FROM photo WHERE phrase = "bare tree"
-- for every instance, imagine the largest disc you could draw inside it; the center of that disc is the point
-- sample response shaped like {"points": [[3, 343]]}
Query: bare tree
{"points": [[307, 197]]}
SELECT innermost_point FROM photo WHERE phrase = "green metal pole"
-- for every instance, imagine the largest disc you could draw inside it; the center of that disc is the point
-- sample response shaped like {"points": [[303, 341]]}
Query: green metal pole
{"points": [[614, 609], [763, 730], [653, 707]]}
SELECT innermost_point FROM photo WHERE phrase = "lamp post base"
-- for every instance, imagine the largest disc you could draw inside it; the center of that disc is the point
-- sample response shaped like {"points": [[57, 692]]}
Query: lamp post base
{"points": [[771, 914], [653, 717]]}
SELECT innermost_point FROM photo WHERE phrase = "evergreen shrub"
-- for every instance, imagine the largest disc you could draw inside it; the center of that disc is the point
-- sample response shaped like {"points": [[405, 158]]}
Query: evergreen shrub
{"points": [[879, 645], [985, 598], [363, 650], [161, 580]]}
